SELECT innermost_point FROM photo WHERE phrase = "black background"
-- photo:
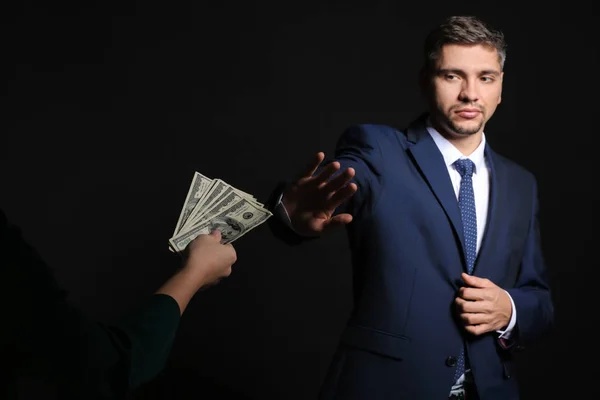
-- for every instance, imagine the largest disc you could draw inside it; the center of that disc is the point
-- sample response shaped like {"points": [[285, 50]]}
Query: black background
{"points": [[109, 108]]}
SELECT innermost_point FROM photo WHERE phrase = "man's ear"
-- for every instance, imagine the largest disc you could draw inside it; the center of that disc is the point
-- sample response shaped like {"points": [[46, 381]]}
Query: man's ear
{"points": [[501, 85]]}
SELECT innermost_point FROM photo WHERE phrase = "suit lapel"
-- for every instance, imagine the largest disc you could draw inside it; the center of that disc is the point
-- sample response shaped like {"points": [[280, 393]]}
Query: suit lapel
{"points": [[431, 163], [496, 210]]}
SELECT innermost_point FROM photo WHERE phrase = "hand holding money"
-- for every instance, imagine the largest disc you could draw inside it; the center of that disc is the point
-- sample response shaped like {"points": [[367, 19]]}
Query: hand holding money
{"points": [[212, 204], [207, 262]]}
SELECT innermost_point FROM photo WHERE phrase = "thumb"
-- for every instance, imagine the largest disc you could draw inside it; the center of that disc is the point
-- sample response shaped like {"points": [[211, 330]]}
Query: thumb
{"points": [[337, 221], [216, 234], [475, 281]]}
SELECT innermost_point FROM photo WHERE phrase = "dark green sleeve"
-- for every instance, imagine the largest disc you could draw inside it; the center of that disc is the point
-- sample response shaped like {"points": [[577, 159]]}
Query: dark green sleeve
{"points": [[43, 335]]}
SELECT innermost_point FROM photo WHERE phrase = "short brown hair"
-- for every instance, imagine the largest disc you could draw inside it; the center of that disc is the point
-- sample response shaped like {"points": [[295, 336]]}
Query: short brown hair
{"points": [[466, 30]]}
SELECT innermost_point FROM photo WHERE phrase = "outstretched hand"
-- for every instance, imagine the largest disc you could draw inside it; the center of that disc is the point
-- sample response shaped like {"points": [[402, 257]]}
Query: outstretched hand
{"points": [[311, 200]]}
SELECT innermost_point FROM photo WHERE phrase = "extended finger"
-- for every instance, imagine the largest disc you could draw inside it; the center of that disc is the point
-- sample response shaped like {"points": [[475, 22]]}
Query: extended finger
{"points": [[341, 196], [312, 166], [337, 221], [326, 173], [339, 181]]}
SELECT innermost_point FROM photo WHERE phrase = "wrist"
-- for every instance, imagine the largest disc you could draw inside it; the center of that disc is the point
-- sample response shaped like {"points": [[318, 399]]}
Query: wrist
{"points": [[192, 276], [288, 205]]}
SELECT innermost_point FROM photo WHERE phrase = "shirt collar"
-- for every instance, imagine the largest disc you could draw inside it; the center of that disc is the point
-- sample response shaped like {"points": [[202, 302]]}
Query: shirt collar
{"points": [[451, 153]]}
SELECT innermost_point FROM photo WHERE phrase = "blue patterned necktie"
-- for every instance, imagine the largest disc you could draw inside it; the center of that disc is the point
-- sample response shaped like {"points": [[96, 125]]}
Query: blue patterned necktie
{"points": [[466, 203]]}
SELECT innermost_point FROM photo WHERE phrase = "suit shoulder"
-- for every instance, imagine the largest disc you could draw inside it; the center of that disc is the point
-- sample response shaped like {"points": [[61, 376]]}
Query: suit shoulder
{"points": [[516, 171]]}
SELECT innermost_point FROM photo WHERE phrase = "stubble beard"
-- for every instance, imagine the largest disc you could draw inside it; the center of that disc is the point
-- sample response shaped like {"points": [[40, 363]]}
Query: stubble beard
{"points": [[461, 130], [456, 129]]}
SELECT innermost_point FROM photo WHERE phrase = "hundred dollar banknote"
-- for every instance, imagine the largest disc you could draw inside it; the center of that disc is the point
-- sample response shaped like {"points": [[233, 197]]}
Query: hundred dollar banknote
{"points": [[214, 204]]}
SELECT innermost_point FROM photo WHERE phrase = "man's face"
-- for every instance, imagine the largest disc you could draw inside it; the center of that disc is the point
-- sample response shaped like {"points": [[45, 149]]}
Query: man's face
{"points": [[465, 87]]}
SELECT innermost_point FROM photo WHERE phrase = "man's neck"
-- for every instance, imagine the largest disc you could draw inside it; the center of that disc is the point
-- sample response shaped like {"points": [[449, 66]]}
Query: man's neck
{"points": [[465, 144]]}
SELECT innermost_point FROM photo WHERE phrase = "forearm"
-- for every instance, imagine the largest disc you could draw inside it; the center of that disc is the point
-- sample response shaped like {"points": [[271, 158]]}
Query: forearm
{"points": [[182, 286]]}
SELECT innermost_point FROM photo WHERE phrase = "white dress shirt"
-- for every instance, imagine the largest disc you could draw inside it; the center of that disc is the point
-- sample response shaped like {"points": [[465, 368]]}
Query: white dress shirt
{"points": [[481, 190]]}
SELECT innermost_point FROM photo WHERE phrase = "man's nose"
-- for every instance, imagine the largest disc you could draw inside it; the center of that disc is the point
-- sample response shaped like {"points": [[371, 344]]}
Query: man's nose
{"points": [[469, 92]]}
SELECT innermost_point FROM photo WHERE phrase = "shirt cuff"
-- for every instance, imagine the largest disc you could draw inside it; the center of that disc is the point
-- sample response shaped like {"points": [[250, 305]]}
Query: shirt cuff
{"points": [[505, 334], [282, 213]]}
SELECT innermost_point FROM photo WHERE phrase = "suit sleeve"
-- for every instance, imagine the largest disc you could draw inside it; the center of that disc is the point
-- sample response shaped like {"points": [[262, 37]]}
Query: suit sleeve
{"points": [[531, 294], [357, 148], [45, 336]]}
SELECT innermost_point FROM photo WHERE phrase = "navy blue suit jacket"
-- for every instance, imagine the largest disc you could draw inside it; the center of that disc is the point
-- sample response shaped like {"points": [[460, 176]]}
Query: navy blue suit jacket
{"points": [[407, 247]]}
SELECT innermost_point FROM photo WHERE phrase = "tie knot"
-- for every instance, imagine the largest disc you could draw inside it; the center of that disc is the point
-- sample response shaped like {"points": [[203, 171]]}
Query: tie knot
{"points": [[464, 166]]}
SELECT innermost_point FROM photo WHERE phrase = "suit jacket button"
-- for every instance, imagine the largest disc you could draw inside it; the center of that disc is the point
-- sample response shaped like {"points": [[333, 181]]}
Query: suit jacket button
{"points": [[451, 361]]}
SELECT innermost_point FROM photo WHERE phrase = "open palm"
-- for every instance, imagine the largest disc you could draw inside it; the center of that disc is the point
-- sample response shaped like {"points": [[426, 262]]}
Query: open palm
{"points": [[311, 200]]}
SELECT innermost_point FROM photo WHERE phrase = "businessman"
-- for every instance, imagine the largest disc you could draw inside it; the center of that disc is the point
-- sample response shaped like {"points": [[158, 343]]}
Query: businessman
{"points": [[44, 337], [449, 277]]}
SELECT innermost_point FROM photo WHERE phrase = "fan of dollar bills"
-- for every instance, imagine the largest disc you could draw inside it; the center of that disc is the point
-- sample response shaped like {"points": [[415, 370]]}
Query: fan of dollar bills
{"points": [[212, 204]]}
